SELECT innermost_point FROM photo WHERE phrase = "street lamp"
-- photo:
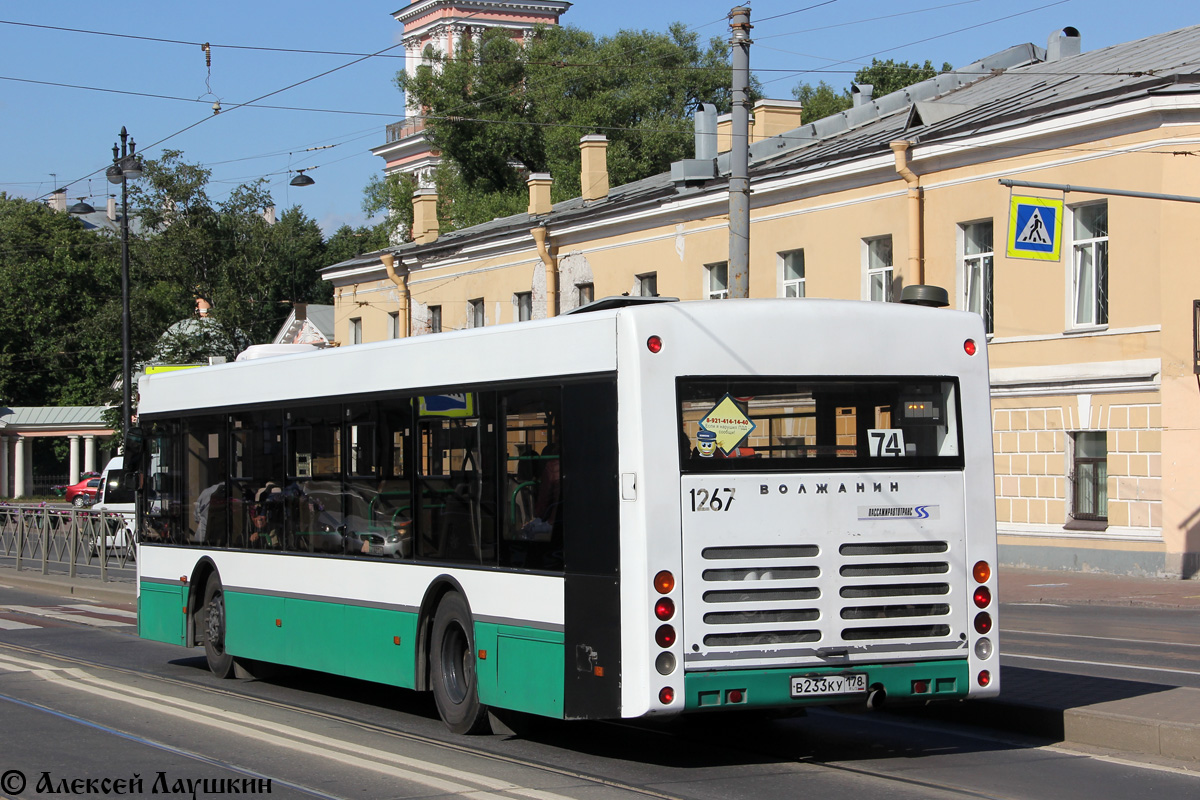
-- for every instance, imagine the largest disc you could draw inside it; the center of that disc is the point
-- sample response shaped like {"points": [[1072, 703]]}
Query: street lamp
{"points": [[125, 167]]}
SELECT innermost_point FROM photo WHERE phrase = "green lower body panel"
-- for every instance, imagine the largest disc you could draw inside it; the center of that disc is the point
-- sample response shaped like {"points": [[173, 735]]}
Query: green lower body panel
{"points": [[372, 644], [521, 668], [772, 688], [162, 612]]}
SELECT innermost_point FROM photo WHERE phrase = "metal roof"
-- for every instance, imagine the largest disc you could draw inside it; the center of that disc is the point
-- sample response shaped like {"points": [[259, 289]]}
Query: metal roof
{"points": [[1009, 89], [27, 417]]}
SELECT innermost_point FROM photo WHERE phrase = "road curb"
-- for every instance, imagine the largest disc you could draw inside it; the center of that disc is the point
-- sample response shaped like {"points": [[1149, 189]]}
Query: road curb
{"points": [[106, 592], [1163, 728]]}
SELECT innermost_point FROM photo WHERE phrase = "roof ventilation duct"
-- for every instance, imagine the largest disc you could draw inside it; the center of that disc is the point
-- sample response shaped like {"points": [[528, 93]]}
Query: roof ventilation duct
{"points": [[1064, 44]]}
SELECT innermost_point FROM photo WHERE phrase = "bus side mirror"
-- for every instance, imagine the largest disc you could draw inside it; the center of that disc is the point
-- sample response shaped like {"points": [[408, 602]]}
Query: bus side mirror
{"points": [[134, 443]]}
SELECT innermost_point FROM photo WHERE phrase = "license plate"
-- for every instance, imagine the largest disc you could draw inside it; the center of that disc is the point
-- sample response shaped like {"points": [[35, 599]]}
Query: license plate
{"points": [[819, 685]]}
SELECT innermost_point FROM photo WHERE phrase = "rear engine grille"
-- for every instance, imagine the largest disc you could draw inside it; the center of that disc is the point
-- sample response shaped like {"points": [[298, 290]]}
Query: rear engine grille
{"points": [[754, 595]]}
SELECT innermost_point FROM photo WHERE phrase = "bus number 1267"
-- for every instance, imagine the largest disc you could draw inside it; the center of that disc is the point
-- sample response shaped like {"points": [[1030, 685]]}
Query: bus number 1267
{"points": [[719, 500]]}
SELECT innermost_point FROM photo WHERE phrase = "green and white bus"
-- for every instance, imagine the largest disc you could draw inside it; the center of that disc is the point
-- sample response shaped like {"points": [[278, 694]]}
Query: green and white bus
{"points": [[636, 509]]}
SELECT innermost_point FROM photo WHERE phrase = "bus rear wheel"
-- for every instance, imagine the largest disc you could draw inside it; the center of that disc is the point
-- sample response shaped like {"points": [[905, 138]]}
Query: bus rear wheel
{"points": [[212, 626], [452, 656]]}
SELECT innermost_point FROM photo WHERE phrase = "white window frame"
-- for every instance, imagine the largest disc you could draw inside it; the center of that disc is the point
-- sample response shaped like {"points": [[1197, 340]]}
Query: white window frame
{"points": [[796, 285], [356, 332], [523, 306], [709, 270], [476, 317], [394, 324], [982, 263], [584, 293], [435, 319], [1099, 283], [885, 271]]}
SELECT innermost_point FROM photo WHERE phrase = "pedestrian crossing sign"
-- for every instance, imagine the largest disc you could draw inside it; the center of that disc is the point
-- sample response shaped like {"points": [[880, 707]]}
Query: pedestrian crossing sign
{"points": [[1035, 228]]}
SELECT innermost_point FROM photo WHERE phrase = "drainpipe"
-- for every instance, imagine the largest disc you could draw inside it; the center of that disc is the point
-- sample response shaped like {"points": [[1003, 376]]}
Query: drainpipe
{"points": [[401, 281], [916, 260], [541, 239]]}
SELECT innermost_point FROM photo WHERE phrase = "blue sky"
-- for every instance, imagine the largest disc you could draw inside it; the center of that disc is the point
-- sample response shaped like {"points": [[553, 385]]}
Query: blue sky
{"points": [[60, 130]]}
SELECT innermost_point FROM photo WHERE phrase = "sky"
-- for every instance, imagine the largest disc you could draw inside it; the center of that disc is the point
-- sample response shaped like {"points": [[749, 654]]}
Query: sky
{"points": [[68, 84]]}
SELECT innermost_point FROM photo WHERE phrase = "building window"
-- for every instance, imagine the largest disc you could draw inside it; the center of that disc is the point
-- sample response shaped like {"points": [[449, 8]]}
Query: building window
{"points": [[1089, 484], [716, 277], [792, 276], [647, 285], [475, 313], [584, 294], [356, 330], [1089, 276], [977, 270], [879, 268], [394, 324], [524, 304], [435, 319]]}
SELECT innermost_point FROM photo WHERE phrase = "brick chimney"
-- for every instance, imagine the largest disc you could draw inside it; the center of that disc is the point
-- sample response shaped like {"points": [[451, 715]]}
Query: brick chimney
{"points": [[593, 176], [425, 221], [539, 193]]}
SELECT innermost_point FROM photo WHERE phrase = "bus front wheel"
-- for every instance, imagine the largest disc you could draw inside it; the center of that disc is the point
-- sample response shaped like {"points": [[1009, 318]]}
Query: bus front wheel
{"points": [[213, 628], [455, 685]]}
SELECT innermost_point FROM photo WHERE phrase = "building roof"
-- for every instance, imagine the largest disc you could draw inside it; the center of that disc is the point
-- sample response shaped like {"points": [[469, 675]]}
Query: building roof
{"points": [[56, 417], [1015, 87], [300, 326]]}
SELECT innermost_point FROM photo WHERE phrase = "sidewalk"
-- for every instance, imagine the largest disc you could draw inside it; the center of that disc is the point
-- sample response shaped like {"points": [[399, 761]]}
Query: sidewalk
{"points": [[1124, 716], [1090, 588]]}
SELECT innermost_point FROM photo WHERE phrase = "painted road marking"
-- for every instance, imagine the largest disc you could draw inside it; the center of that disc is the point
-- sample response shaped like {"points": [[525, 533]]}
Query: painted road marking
{"points": [[419, 771], [87, 615], [1100, 638]]}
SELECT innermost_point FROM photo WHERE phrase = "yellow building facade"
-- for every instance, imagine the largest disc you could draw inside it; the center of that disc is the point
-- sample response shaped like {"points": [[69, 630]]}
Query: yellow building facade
{"points": [[1096, 400]]}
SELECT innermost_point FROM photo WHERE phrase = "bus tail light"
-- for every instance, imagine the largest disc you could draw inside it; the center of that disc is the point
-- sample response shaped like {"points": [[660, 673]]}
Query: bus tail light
{"points": [[985, 678], [654, 344], [983, 622], [664, 609], [981, 571], [666, 695], [982, 597], [665, 636], [969, 347], [665, 663], [983, 649], [664, 582]]}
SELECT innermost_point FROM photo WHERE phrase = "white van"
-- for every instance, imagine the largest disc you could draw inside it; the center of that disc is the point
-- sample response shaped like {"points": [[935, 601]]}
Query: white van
{"points": [[115, 498]]}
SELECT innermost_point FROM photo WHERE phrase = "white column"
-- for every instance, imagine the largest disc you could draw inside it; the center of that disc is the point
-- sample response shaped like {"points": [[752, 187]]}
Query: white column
{"points": [[4, 492], [29, 465], [19, 468], [73, 445], [89, 453]]}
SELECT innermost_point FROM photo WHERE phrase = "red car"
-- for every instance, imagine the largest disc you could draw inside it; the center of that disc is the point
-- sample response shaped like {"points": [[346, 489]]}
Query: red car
{"points": [[83, 493]]}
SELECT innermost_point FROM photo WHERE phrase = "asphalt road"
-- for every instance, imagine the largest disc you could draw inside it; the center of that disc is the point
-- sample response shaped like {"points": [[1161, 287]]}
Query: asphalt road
{"points": [[1159, 645], [83, 698]]}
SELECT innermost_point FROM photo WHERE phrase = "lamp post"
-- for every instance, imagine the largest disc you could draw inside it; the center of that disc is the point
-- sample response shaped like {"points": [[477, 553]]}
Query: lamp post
{"points": [[126, 166]]}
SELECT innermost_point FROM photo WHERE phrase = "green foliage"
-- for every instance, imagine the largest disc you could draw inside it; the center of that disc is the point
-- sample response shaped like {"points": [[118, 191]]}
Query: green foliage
{"points": [[885, 77], [60, 288], [250, 271], [498, 104]]}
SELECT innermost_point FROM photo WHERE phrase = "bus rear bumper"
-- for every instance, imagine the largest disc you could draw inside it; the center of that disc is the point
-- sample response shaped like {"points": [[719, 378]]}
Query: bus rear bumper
{"points": [[863, 684]]}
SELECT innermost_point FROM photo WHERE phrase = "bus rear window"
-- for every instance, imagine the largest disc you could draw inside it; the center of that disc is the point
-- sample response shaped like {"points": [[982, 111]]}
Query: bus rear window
{"points": [[802, 424]]}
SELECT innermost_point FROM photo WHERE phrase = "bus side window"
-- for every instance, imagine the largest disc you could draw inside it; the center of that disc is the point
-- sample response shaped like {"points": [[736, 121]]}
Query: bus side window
{"points": [[532, 495]]}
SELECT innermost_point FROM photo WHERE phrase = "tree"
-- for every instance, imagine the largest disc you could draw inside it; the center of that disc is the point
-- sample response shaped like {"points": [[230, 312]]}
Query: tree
{"points": [[250, 271], [59, 288], [884, 77], [500, 108]]}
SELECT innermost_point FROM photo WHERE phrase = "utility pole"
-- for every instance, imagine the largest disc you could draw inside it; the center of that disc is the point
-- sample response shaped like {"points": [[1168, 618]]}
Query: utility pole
{"points": [[739, 158]]}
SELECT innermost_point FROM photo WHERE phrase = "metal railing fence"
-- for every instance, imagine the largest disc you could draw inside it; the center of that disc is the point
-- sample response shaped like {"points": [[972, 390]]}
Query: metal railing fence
{"points": [[73, 538]]}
